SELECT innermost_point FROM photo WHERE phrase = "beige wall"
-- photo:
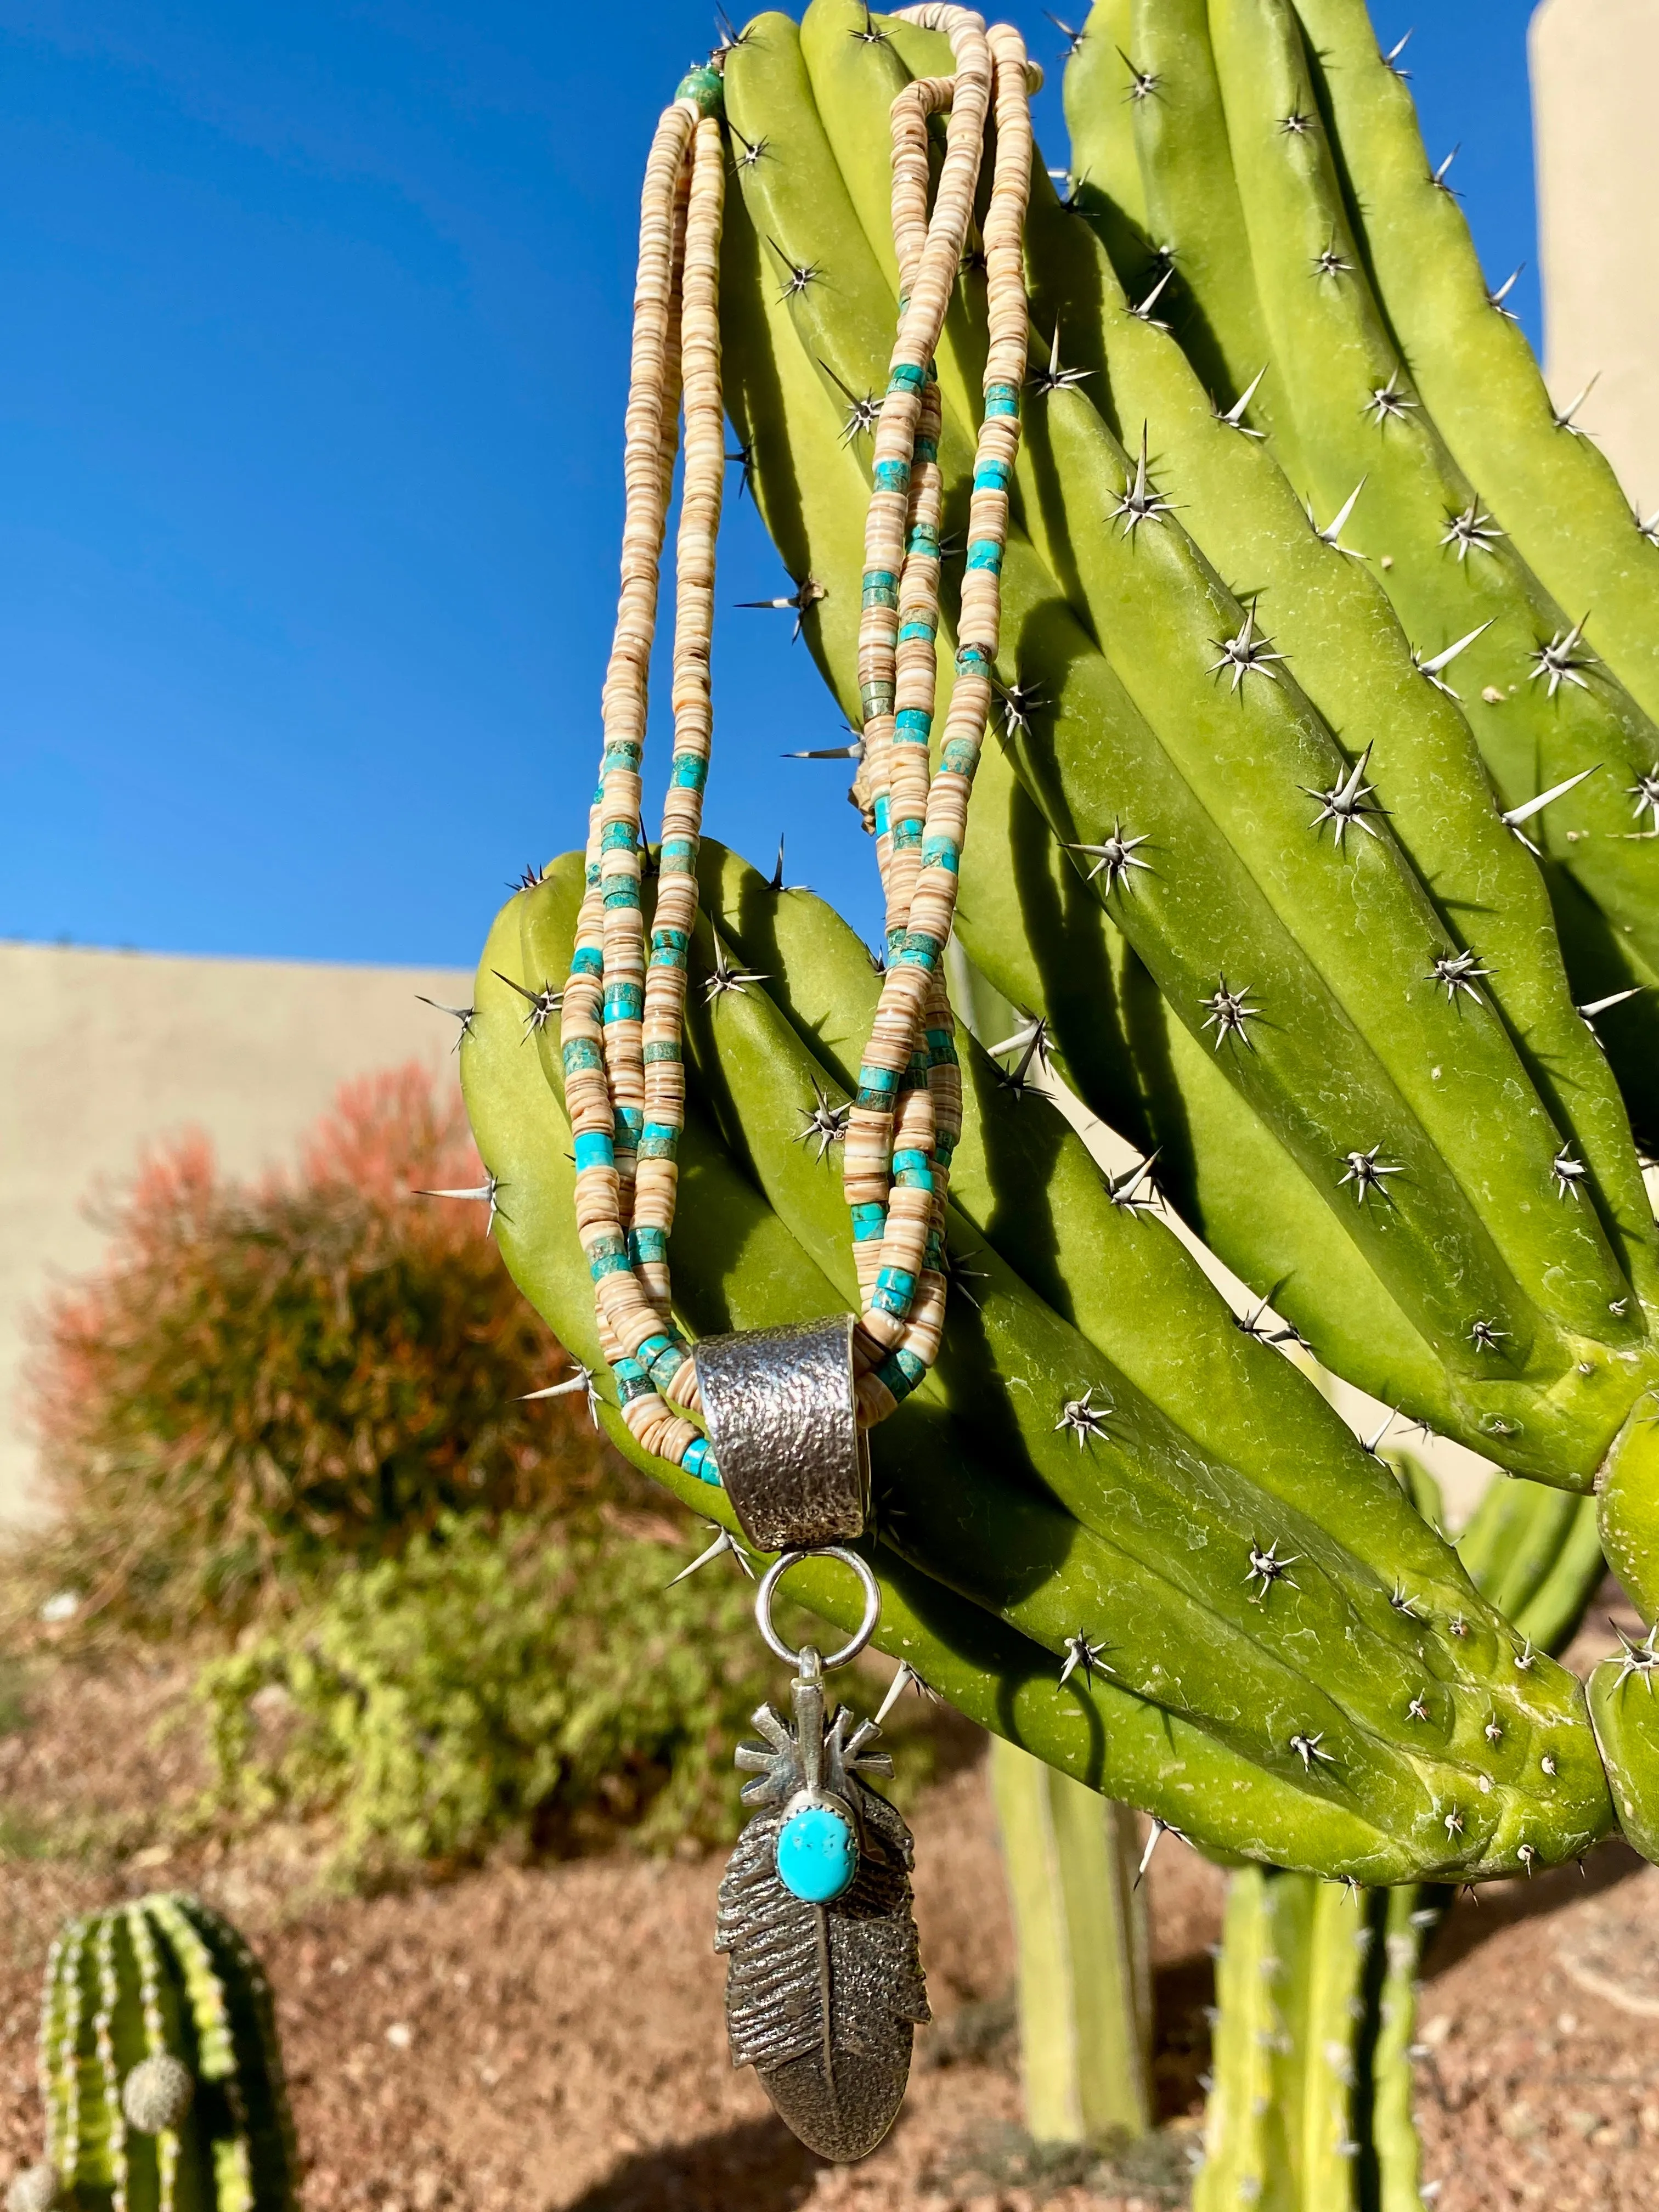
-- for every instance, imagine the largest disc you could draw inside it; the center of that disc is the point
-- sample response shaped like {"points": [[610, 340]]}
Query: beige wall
{"points": [[1595, 98], [104, 1052]]}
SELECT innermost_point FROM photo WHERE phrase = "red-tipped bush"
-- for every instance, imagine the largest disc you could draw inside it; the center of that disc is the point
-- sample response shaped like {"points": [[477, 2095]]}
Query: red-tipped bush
{"points": [[267, 1378]]}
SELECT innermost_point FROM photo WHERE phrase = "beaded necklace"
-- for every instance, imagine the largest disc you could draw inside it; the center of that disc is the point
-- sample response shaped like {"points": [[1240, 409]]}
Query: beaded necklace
{"points": [[825, 1985], [623, 1008]]}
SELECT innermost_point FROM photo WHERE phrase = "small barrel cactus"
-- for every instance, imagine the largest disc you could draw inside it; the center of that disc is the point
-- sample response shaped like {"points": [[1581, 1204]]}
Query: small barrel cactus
{"points": [[159, 2070]]}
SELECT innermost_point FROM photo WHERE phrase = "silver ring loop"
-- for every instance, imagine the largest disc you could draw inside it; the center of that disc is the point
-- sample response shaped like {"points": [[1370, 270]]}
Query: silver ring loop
{"points": [[861, 1634]]}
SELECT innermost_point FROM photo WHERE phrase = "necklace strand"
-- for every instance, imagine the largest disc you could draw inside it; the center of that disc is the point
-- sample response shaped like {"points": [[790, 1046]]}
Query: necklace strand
{"points": [[623, 1007]]}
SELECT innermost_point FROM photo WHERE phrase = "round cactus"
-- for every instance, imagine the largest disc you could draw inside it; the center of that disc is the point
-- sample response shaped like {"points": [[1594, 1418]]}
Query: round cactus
{"points": [[159, 2070]]}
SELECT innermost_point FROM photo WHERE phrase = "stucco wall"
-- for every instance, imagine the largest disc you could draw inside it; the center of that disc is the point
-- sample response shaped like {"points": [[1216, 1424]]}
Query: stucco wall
{"points": [[1594, 89], [106, 1051]]}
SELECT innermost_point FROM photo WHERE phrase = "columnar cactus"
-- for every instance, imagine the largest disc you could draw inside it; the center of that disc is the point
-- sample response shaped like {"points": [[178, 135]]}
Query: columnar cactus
{"points": [[1084, 1984], [1113, 1524], [1551, 485], [1310, 2108], [1311, 2096], [1461, 1222], [1497, 532], [161, 2071], [1104, 1480]]}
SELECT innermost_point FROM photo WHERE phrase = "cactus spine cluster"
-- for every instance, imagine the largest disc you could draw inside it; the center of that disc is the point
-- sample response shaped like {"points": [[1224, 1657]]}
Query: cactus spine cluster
{"points": [[161, 2071]]}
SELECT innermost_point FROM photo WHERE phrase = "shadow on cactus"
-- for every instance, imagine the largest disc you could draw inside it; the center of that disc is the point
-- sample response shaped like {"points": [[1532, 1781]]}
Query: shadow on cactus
{"points": [[161, 2070]]}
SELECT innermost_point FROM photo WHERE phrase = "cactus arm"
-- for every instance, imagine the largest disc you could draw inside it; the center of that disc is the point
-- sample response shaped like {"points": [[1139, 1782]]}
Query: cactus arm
{"points": [[1085, 1987], [1285, 1970], [1010, 1551], [1625, 1710], [1183, 1506], [1390, 2151], [1339, 1939], [1220, 1162], [1333, 621], [1098, 109], [1512, 1542], [823, 334], [1125, 1283], [1193, 206], [1362, 919], [1237, 2168], [1556, 1603], [1336, 353], [1543, 1523], [1155, 1519], [1182, 1509], [1557, 492], [1628, 1495]]}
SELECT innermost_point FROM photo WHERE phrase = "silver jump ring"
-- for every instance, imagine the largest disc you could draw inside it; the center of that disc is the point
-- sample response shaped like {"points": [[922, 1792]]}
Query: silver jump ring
{"points": [[774, 1576]]}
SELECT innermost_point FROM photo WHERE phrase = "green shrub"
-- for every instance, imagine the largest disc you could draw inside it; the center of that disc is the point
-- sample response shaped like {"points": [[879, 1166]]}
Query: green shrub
{"points": [[517, 1680], [267, 1378]]}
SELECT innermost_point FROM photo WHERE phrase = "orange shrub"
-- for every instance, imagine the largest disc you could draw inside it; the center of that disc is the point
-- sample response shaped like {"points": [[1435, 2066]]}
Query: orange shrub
{"points": [[264, 1379]]}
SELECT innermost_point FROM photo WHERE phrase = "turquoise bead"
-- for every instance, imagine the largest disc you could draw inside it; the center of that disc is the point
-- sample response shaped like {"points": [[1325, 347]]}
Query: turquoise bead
{"points": [[817, 1854]]}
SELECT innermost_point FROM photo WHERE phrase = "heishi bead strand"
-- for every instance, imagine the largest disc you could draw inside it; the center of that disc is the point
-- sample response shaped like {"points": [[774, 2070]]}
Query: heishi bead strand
{"points": [[890, 1182], [935, 1133], [622, 1011], [904, 1302], [898, 817], [599, 1219], [676, 912], [609, 1096]]}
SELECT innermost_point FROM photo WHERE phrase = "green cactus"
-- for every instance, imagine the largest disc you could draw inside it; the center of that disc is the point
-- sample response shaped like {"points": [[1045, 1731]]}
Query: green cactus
{"points": [[161, 2071], [1150, 1414], [1310, 2109], [1541, 706], [1085, 1989], [1625, 1714], [1553, 491], [1253, 895]]}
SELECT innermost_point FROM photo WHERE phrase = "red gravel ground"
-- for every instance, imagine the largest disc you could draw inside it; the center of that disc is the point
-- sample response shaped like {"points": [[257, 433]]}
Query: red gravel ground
{"points": [[551, 2037]]}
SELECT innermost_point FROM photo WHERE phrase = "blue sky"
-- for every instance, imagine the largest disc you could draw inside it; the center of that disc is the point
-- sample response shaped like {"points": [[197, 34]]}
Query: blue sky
{"points": [[310, 389]]}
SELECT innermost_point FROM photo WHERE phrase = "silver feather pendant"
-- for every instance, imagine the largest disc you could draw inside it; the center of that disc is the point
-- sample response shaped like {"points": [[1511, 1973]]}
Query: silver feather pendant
{"points": [[825, 1990]]}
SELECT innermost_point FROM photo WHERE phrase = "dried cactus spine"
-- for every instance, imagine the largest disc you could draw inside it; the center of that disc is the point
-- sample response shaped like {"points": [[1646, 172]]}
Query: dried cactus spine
{"points": [[161, 2071]]}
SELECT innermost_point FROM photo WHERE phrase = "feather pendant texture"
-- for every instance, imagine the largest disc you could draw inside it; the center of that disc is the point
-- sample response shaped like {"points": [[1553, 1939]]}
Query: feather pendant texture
{"points": [[822, 2000]]}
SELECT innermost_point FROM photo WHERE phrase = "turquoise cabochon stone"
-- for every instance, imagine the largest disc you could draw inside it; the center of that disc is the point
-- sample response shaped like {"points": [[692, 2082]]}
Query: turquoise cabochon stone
{"points": [[817, 1854]]}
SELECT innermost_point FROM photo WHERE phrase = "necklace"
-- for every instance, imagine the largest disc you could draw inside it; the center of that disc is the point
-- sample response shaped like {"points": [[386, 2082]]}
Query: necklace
{"points": [[824, 1986]]}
